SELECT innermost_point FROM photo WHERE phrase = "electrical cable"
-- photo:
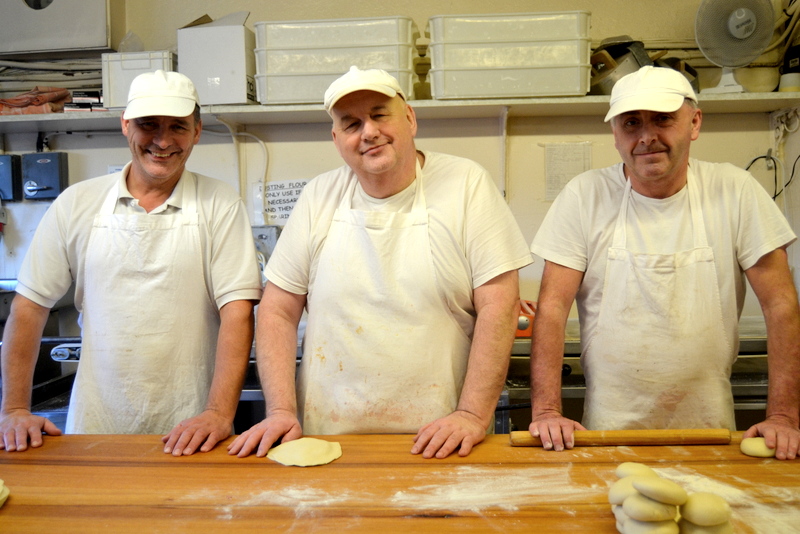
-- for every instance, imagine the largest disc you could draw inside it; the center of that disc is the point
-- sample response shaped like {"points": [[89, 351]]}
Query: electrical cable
{"points": [[265, 153], [768, 157], [74, 65], [785, 183], [791, 177]]}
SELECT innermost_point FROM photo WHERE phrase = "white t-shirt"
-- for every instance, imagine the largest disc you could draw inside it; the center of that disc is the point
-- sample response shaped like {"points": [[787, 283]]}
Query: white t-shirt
{"points": [[742, 223], [56, 255], [474, 236]]}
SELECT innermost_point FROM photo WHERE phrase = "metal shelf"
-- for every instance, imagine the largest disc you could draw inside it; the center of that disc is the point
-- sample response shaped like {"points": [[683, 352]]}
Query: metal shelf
{"points": [[426, 109]]}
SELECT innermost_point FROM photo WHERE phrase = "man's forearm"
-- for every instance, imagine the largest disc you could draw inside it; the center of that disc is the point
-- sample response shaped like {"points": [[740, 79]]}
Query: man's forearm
{"points": [[233, 353], [276, 349], [497, 307], [783, 349], [488, 363], [547, 352], [21, 339]]}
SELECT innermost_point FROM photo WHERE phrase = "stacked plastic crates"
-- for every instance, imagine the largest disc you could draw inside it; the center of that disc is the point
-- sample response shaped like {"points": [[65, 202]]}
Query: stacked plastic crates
{"points": [[509, 56], [296, 61]]}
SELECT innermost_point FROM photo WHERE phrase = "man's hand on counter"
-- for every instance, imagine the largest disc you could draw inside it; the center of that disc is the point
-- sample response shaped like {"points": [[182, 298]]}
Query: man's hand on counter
{"points": [[19, 427], [779, 434], [201, 432], [555, 431], [460, 430], [262, 436]]}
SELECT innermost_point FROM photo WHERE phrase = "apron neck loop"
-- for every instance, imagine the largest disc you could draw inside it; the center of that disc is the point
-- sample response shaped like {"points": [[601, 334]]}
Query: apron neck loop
{"points": [[699, 237]]}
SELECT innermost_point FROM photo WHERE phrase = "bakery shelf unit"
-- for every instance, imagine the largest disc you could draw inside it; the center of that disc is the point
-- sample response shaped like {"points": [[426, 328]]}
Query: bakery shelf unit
{"points": [[426, 109]]}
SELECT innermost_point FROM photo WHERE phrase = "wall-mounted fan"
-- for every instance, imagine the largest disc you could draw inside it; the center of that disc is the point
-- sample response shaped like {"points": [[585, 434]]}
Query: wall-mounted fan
{"points": [[731, 34]]}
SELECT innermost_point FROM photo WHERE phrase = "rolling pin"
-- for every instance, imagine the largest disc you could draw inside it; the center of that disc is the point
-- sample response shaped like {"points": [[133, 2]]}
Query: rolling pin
{"points": [[605, 438]]}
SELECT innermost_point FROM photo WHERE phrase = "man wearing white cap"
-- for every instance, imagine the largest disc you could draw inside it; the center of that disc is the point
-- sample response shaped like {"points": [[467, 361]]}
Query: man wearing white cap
{"points": [[165, 279], [656, 250], [407, 262]]}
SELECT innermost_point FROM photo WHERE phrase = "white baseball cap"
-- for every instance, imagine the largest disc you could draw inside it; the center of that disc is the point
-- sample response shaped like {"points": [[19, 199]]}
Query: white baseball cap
{"points": [[652, 89], [356, 79], [161, 93]]}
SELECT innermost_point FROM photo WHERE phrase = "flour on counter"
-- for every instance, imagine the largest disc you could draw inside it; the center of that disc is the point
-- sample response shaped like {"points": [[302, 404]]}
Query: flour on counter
{"points": [[302, 499], [474, 489]]}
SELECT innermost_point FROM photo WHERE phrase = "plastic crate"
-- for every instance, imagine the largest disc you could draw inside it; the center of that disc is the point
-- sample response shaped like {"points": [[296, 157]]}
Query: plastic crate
{"points": [[119, 70], [565, 80], [509, 27], [310, 88], [334, 59], [509, 54], [336, 32]]}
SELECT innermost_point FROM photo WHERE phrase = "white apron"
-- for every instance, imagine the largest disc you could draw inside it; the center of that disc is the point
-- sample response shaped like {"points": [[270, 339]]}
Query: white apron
{"points": [[149, 325], [382, 352], [660, 357]]}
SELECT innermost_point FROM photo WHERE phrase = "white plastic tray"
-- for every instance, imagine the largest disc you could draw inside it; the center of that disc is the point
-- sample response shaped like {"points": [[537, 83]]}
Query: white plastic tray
{"points": [[566, 80], [310, 88], [509, 27], [509, 54], [336, 32], [334, 59]]}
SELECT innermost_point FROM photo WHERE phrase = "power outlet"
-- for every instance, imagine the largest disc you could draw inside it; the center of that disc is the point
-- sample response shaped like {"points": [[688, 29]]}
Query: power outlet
{"points": [[783, 120]]}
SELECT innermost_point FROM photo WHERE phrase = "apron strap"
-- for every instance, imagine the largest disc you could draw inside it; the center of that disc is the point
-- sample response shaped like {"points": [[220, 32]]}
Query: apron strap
{"points": [[699, 235]]}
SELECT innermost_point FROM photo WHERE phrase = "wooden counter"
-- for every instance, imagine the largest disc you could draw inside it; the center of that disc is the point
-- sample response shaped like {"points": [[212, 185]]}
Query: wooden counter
{"points": [[125, 484]]}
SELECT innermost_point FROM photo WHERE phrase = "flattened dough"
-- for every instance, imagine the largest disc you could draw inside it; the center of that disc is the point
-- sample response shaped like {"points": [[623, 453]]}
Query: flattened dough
{"points": [[642, 508], [626, 469], [660, 489], [687, 527], [756, 447], [305, 452], [633, 526], [706, 509]]}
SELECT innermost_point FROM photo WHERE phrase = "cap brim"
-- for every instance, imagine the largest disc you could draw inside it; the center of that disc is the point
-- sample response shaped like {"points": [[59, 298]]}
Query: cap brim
{"points": [[666, 103], [377, 88], [161, 106]]}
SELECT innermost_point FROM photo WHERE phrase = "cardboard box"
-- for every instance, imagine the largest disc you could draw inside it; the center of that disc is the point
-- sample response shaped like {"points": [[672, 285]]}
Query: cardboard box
{"points": [[120, 69], [65, 28], [218, 57]]}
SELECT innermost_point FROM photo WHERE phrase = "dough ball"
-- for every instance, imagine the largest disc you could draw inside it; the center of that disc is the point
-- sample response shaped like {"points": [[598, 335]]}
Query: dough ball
{"points": [[706, 509], [660, 489], [4, 492], [642, 508], [305, 452], [627, 469], [621, 490], [687, 527], [632, 526], [756, 447]]}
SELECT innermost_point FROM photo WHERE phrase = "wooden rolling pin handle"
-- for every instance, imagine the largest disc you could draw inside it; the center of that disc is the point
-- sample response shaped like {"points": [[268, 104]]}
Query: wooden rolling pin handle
{"points": [[603, 438]]}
